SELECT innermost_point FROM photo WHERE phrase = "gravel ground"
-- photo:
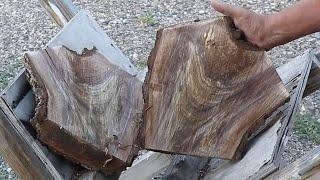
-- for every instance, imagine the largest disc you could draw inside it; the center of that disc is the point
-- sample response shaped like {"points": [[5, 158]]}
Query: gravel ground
{"points": [[133, 24]]}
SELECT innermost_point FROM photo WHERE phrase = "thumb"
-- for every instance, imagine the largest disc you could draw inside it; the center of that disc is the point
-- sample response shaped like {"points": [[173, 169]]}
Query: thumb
{"points": [[227, 9]]}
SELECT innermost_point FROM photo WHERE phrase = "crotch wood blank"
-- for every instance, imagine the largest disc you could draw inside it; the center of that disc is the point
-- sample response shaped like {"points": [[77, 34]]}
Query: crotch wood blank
{"points": [[205, 93], [88, 109]]}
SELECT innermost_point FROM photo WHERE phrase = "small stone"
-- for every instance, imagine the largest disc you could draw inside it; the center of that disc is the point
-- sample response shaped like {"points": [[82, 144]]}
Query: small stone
{"points": [[135, 56], [201, 12]]}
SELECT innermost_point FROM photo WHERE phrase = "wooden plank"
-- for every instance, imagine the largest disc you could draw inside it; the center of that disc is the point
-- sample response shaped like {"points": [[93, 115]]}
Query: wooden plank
{"points": [[303, 168], [20, 150], [253, 160], [61, 11], [296, 98], [83, 32], [150, 165], [16, 90], [204, 93], [26, 107]]}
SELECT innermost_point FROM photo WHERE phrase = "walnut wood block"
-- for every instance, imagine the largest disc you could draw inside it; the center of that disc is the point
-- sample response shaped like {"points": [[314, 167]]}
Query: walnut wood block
{"points": [[204, 93], [88, 109]]}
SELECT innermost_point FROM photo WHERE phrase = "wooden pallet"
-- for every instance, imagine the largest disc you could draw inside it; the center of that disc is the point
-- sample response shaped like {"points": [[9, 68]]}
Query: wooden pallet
{"points": [[32, 160]]}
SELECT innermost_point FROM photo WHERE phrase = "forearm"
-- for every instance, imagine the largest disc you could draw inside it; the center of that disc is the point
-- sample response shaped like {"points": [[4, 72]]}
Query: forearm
{"points": [[292, 23]]}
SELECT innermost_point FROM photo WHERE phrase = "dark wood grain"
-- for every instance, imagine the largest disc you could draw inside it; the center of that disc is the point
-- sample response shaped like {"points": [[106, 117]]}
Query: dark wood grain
{"points": [[88, 109], [263, 148], [204, 92]]}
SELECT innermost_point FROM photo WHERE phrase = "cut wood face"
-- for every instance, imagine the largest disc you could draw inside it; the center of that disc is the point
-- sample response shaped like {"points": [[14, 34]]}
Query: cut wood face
{"points": [[88, 109], [204, 92]]}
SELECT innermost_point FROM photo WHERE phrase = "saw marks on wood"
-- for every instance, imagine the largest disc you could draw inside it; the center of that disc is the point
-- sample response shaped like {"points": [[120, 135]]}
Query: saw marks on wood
{"points": [[88, 109], [204, 93]]}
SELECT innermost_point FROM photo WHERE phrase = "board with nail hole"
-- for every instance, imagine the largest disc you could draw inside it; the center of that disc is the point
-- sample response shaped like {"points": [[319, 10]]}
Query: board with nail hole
{"points": [[205, 93]]}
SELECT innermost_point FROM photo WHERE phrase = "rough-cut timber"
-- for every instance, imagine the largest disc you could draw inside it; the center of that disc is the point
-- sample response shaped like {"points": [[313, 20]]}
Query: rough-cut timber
{"points": [[266, 148], [205, 93], [88, 109]]}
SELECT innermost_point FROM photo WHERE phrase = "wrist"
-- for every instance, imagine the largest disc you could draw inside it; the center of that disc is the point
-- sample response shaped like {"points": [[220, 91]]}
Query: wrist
{"points": [[266, 33], [275, 31]]}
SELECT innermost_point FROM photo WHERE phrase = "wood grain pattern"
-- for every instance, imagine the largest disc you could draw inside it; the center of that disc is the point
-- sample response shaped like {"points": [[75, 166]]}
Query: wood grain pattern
{"points": [[88, 109], [204, 92], [265, 149]]}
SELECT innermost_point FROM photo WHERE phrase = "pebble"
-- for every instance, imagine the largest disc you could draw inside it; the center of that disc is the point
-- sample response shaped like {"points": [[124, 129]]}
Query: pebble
{"points": [[201, 12], [135, 56]]}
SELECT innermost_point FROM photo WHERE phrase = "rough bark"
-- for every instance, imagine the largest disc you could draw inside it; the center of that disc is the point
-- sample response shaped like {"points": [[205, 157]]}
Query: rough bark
{"points": [[204, 93]]}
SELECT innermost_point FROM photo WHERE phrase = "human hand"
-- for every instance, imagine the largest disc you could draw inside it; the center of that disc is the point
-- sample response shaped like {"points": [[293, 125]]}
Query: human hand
{"points": [[253, 25]]}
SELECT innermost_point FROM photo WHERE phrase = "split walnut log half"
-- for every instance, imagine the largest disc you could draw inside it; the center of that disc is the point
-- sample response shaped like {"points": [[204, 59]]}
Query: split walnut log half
{"points": [[205, 93], [88, 109]]}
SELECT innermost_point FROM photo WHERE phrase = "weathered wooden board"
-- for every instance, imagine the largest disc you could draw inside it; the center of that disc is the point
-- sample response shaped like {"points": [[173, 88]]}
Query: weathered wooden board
{"points": [[83, 32], [88, 109], [17, 90], [204, 93], [253, 159], [20, 149], [296, 97], [306, 167], [148, 167]]}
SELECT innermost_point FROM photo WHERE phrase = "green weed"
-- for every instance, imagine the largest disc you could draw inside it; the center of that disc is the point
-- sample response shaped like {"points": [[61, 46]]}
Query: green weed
{"points": [[307, 127], [147, 19], [142, 63]]}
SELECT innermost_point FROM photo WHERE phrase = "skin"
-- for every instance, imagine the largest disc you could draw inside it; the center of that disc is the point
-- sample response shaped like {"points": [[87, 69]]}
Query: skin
{"points": [[268, 31]]}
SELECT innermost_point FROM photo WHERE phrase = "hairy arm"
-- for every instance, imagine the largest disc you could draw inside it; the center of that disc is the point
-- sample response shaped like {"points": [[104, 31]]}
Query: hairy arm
{"points": [[268, 31]]}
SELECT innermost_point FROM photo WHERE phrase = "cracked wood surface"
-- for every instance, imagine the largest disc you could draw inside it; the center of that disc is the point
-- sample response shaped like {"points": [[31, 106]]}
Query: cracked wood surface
{"points": [[266, 158], [82, 34], [87, 108], [204, 94]]}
